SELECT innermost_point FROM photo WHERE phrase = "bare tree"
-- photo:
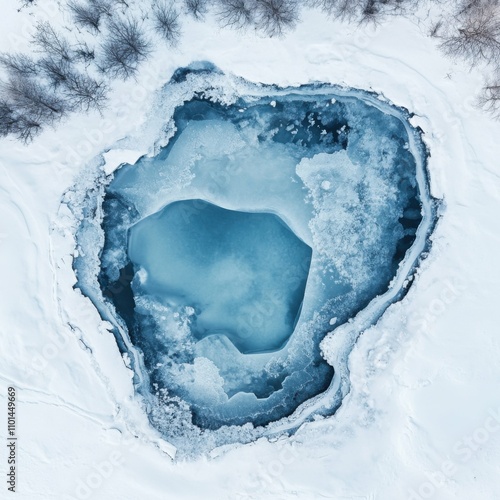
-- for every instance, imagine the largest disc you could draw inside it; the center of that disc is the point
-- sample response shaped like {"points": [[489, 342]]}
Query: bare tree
{"points": [[477, 37], [83, 52], [79, 90], [125, 47], [19, 64], [25, 103], [40, 93], [489, 99], [274, 17], [89, 13], [435, 28], [50, 42], [55, 70], [32, 100], [166, 22], [83, 92], [197, 8], [12, 122], [7, 118], [235, 13], [373, 11]]}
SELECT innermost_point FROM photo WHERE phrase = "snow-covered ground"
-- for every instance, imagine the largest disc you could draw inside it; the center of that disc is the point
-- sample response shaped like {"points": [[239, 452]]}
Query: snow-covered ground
{"points": [[422, 419]]}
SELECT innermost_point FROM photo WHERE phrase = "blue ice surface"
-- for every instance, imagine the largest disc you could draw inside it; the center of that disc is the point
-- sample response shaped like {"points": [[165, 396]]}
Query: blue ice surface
{"points": [[243, 273], [333, 173]]}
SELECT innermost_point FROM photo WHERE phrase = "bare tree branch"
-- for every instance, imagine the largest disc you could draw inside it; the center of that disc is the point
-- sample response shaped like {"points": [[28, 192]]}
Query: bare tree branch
{"points": [[50, 42], [89, 13], [477, 37], [235, 13], [274, 17], [19, 64], [31, 98], [166, 22], [489, 99], [84, 92], [83, 52], [12, 122], [125, 47], [197, 8]]}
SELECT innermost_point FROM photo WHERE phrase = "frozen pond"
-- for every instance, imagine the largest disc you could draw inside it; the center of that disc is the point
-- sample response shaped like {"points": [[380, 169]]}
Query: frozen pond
{"points": [[232, 252]]}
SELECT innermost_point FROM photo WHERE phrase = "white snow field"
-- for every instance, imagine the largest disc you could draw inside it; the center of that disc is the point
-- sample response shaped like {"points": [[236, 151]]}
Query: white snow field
{"points": [[422, 416]]}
